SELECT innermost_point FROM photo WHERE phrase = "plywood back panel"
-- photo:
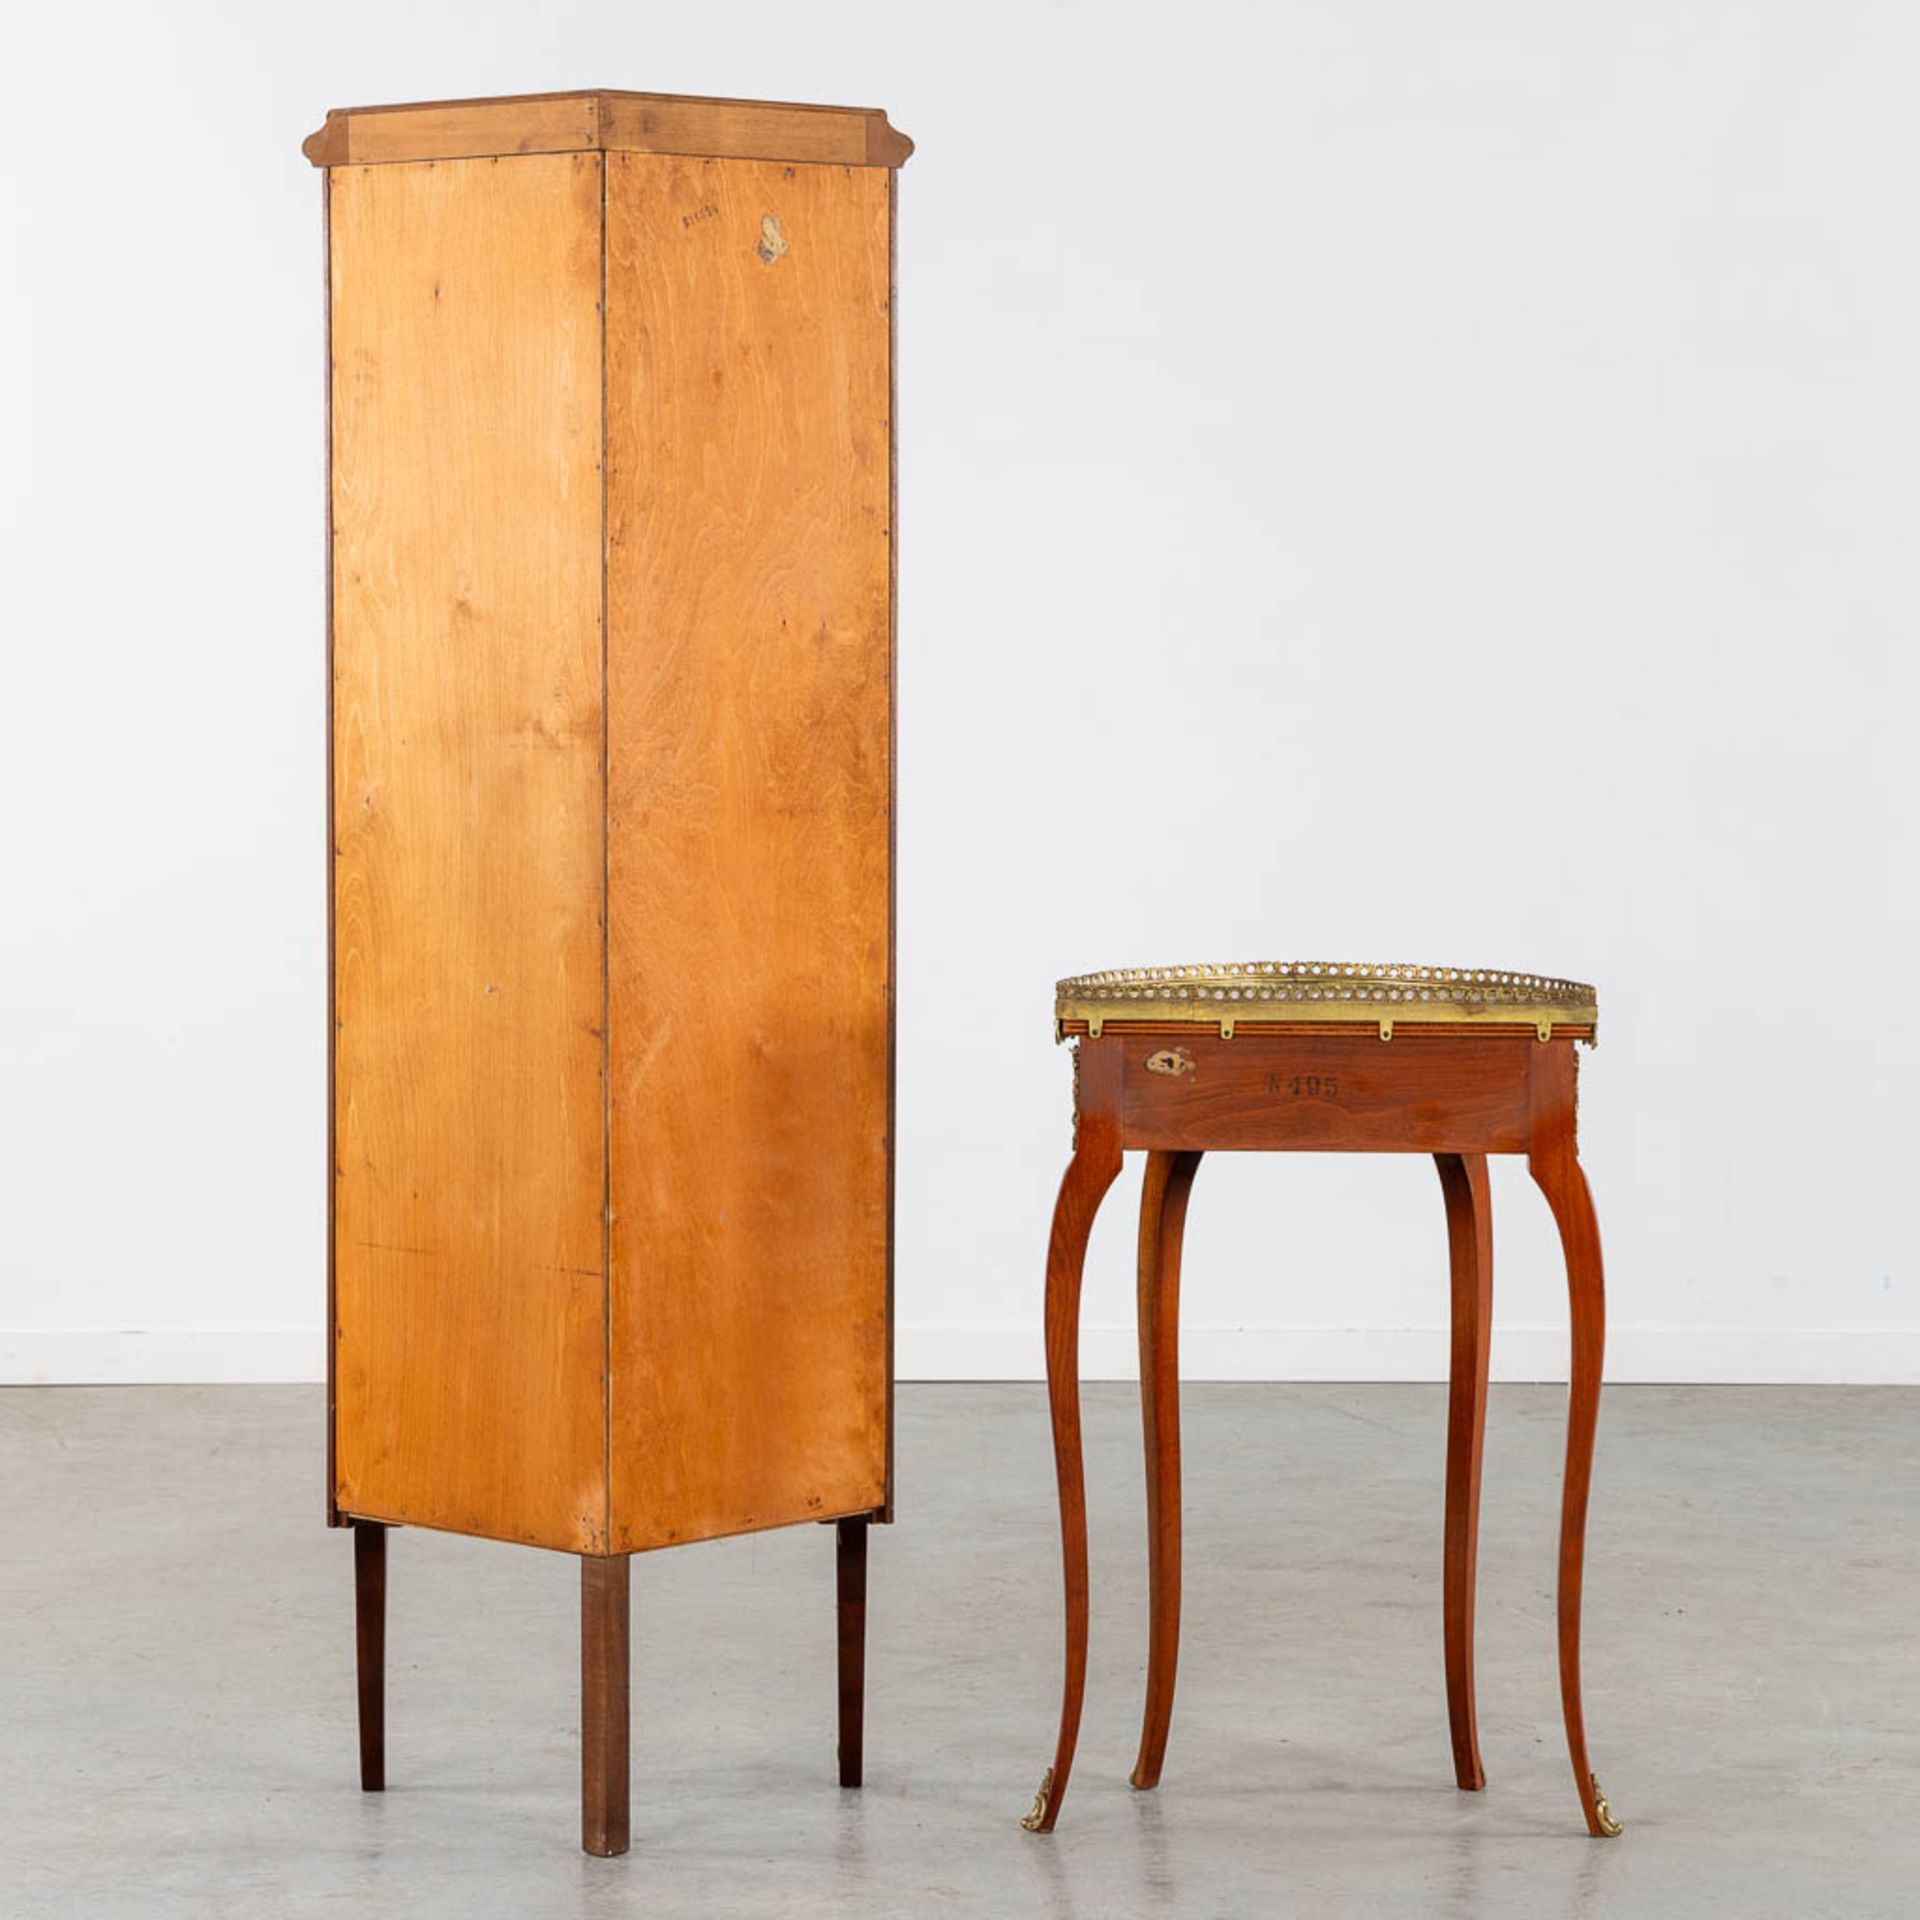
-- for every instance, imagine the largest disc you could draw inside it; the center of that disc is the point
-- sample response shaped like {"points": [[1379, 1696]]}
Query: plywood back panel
{"points": [[469, 1293], [749, 725]]}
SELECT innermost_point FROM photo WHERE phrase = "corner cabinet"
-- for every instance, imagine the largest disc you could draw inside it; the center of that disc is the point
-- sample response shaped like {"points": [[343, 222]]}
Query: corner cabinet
{"points": [[610, 864]]}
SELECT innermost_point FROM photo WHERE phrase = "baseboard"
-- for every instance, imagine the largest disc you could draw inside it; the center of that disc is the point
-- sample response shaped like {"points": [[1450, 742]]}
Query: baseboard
{"points": [[1885, 1356], [159, 1356], [1760, 1356]]}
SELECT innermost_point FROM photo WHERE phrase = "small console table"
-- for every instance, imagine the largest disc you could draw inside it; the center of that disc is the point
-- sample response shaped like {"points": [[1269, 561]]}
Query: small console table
{"points": [[1316, 1057]]}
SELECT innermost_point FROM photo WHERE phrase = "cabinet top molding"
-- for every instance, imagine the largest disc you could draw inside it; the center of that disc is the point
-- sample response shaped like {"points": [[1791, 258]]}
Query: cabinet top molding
{"points": [[607, 121]]}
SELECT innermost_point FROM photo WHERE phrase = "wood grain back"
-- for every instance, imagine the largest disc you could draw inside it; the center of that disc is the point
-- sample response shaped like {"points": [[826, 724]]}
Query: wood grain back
{"points": [[749, 768], [469, 1295]]}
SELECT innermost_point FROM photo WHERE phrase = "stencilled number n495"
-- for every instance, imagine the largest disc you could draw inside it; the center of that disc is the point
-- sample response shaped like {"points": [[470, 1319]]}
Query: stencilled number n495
{"points": [[1304, 1086]]}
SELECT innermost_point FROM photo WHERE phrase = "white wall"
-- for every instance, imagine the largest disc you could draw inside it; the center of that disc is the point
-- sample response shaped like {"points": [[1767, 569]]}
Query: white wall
{"points": [[1376, 481]]}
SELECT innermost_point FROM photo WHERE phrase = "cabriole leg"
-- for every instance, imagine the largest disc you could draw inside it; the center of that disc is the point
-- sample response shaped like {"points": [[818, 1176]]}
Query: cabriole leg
{"points": [[1091, 1171], [1463, 1181], [1557, 1170], [1163, 1217]]}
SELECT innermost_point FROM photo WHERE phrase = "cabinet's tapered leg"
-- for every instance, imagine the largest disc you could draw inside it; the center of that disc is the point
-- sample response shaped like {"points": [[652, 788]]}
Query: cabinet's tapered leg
{"points": [[1463, 1181], [1163, 1216], [370, 1649], [605, 1627], [850, 1564]]}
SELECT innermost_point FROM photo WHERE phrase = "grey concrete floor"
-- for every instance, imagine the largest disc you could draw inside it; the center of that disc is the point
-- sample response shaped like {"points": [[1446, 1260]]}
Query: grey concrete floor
{"points": [[176, 1700]]}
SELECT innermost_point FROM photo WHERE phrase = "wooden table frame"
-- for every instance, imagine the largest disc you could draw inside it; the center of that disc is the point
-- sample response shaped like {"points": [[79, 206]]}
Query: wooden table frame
{"points": [[1458, 1093]]}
